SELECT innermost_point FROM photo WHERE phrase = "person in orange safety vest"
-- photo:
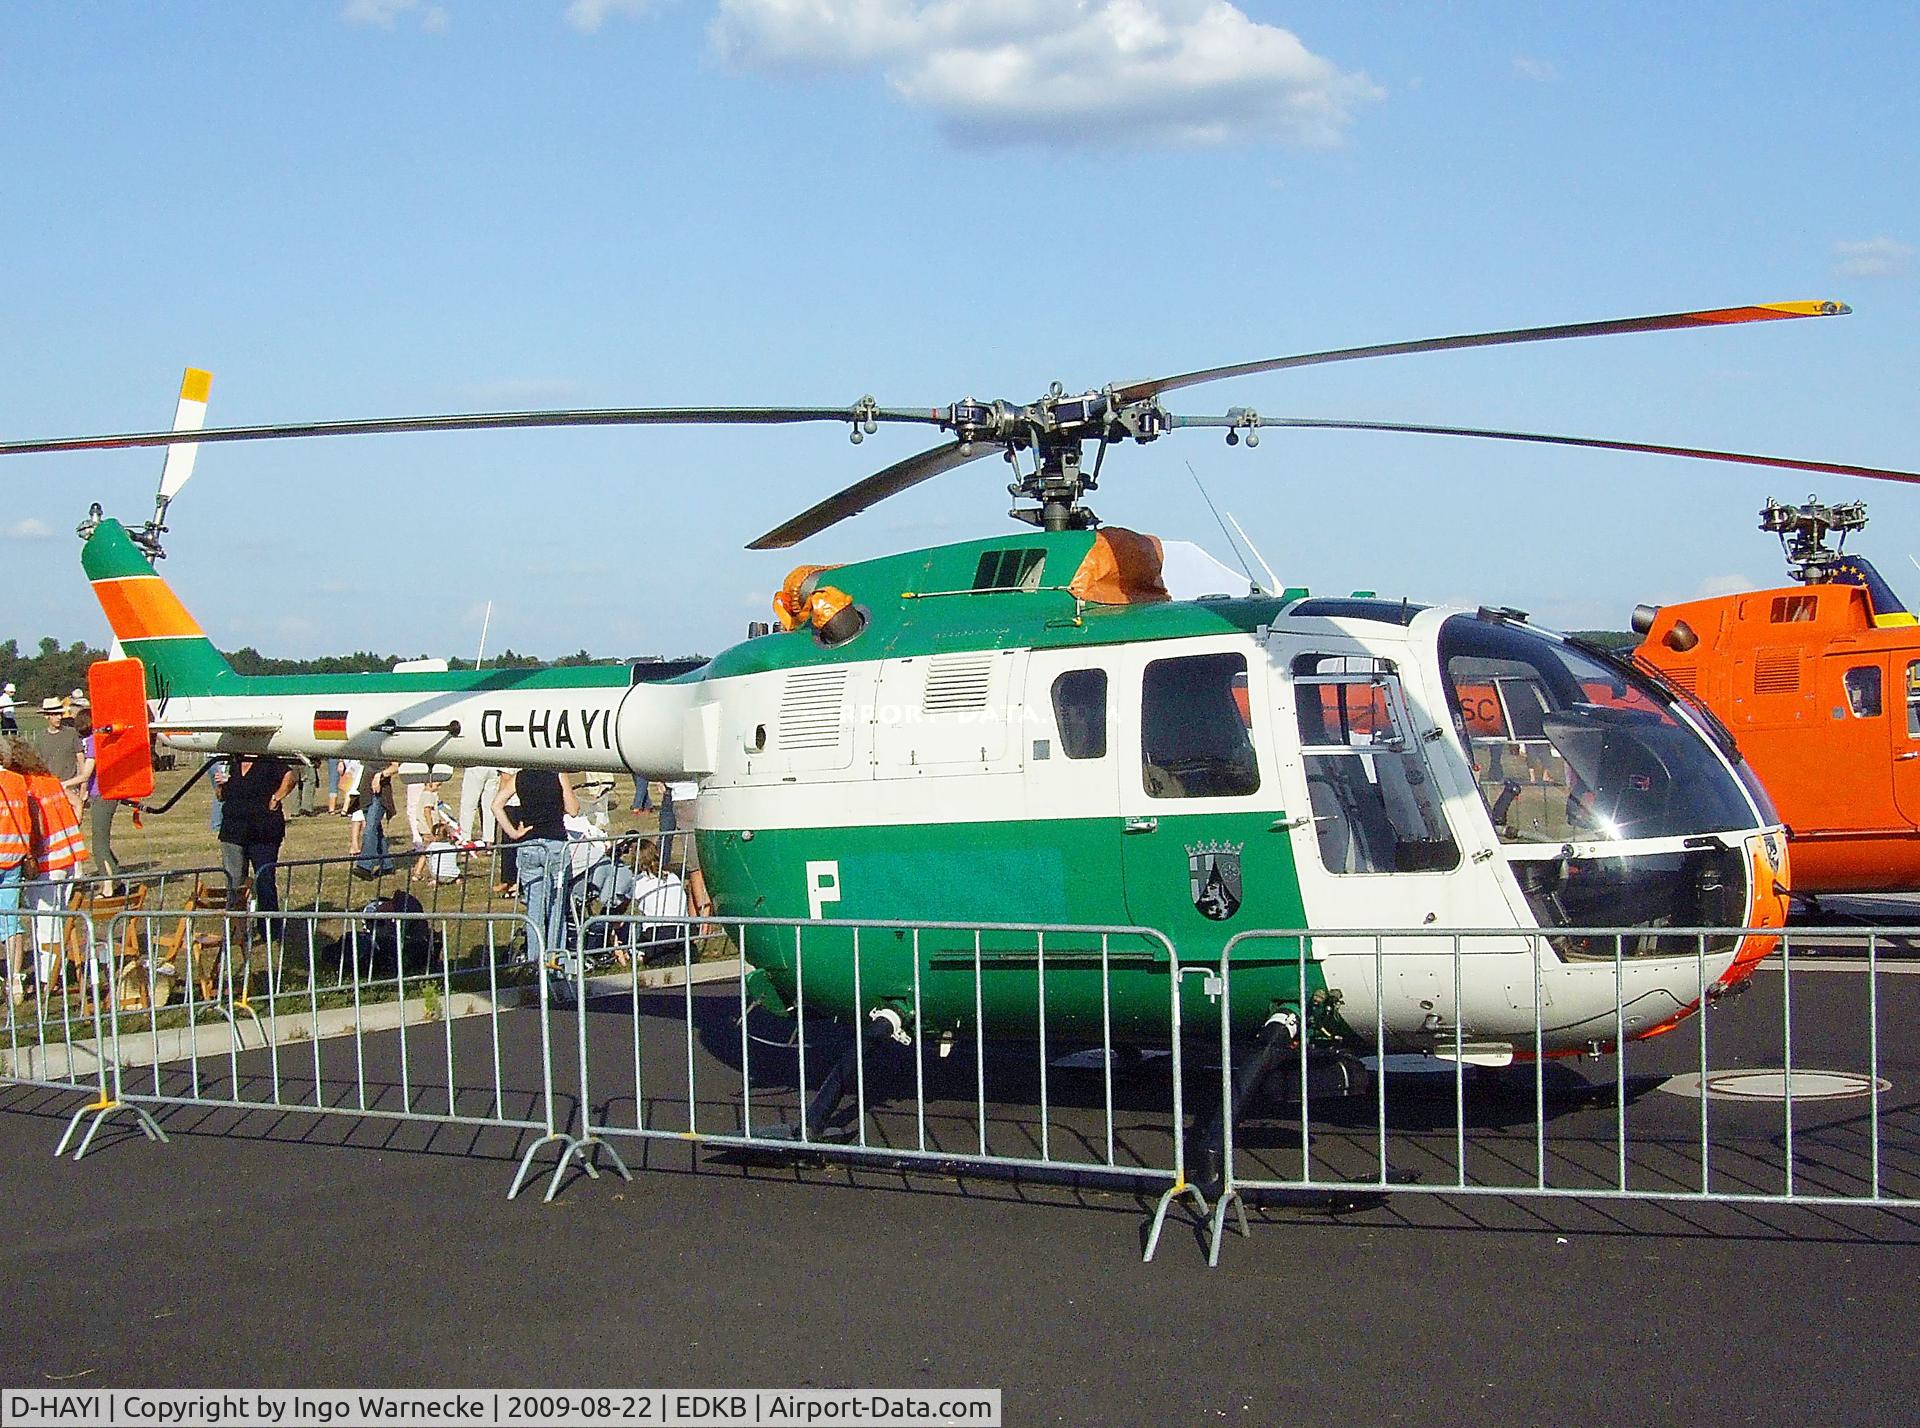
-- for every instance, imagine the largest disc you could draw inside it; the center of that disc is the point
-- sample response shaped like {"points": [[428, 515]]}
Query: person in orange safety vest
{"points": [[56, 850], [16, 845]]}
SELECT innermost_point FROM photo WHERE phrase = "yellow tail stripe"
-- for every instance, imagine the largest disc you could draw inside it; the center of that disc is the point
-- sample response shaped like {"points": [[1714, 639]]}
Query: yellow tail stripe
{"points": [[195, 385]]}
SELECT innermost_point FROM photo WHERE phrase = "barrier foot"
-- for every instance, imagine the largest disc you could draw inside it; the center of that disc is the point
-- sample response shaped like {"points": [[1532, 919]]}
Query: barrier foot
{"points": [[569, 1144], [587, 1148], [100, 1110], [1173, 1192], [1218, 1230], [233, 1022], [597, 1146]]}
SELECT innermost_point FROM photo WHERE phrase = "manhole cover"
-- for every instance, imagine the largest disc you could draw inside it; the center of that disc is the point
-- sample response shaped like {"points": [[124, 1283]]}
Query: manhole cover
{"points": [[1770, 1084]]}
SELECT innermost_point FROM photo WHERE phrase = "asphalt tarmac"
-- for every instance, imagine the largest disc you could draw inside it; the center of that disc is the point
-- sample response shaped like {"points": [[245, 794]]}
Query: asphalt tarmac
{"points": [[286, 1249]]}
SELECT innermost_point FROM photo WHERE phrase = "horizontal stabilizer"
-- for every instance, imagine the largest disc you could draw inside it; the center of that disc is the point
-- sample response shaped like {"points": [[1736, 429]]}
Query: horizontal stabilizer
{"points": [[218, 726]]}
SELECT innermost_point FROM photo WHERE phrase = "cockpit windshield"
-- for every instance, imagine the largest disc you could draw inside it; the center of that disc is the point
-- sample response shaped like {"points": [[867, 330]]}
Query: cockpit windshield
{"points": [[1568, 748]]}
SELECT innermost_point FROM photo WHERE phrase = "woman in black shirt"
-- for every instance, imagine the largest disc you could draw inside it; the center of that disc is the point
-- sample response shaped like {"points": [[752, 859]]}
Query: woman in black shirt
{"points": [[252, 826], [538, 832]]}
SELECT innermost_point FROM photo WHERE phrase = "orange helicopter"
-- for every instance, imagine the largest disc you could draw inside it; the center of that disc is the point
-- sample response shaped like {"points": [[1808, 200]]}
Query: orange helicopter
{"points": [[1819, 684]]}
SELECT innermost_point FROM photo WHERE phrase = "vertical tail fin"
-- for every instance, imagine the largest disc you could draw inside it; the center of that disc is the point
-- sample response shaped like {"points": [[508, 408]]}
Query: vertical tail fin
{"points": [[148, 619]]}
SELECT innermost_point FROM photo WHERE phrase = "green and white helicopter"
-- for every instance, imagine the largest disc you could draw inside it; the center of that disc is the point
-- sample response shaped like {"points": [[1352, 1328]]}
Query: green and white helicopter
{"points": [[1025, 729]]}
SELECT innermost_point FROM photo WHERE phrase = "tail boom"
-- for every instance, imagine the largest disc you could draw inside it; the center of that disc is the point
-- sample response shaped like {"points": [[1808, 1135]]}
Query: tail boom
{"points": [[591, 717]]}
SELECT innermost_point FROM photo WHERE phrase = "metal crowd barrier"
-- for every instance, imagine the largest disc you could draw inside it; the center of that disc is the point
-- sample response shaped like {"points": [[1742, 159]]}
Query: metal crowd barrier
{"points": [[655, 1066], [52, 1043], [1779, 1095], [1741, 1146], [218, 1019], [332, 882]]}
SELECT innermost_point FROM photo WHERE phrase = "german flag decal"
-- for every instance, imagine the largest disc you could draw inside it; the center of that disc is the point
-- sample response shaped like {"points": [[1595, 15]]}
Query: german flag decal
{"points": [[330, 724]]}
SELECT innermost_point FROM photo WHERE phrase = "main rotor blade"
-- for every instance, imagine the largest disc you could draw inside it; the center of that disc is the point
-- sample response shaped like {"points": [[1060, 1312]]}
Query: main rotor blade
{"points": [[856, 498], [1712, 317], [1701, 453], [485, 421]]}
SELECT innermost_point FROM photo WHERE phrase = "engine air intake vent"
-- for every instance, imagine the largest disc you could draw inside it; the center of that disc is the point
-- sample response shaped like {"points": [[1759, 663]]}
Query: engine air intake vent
{"points": [[810, 708], [1776, 672], [1683, 676], [957, 682]]}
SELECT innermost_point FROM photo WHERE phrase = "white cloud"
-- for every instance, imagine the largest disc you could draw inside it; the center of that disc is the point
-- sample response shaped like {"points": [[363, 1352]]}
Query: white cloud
{"points": [[1539, 70], [27, 529], [1872, 258], [386, 14], [1083, 72], [588, 16]]}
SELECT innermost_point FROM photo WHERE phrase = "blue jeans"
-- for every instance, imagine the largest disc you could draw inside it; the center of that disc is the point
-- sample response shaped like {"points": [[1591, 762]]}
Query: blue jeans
{"points": [[264, 858], [543, 889], [10, 924], [373, 859]]}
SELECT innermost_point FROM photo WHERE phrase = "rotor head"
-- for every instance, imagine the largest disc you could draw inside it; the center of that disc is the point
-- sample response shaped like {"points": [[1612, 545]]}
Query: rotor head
{"points": [[1804, 530]]}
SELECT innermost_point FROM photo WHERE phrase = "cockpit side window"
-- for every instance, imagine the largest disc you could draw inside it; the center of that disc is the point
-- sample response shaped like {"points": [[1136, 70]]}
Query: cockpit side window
{"points": [[1080, 713], [1863, 691], [1374, 805], [1194, 736]]}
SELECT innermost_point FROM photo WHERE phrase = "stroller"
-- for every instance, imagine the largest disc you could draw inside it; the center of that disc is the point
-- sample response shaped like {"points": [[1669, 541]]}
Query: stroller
{"points": [[602, 888]]}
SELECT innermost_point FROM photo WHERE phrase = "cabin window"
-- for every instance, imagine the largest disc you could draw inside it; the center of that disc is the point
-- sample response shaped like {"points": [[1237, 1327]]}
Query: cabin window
{"points": [[1863, 691], [1194, 735], [1080, 713], [1374, 805], [1913, 700], [1793, 609]]}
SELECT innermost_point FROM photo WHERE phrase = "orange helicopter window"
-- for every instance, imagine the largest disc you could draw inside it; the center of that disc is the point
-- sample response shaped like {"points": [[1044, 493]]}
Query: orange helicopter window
{"points": [[1863, 691], [1794, 609], [1913, 700]]}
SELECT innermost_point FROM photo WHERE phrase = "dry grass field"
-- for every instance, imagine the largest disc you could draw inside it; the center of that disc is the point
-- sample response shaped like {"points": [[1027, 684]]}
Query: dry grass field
{"points": [[182, 837], [168, 850], [164, 862]]}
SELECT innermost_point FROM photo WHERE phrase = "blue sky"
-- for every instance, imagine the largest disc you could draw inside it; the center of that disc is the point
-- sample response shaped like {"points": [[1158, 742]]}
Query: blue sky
{"points": [[379, 208]]}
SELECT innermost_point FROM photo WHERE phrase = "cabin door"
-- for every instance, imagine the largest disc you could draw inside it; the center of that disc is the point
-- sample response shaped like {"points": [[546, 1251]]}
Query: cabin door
{"points": [[1199, 799], [1369, 795], [1864, 715], [1905, 722]]}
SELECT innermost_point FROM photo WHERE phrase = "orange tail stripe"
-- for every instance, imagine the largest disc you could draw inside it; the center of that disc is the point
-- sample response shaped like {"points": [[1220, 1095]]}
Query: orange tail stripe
{"points": [[141, 607]]}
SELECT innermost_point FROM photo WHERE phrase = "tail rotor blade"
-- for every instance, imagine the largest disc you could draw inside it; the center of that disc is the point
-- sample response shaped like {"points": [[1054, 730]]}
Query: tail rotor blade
{"points": [[1665, 322], [190, 415]]}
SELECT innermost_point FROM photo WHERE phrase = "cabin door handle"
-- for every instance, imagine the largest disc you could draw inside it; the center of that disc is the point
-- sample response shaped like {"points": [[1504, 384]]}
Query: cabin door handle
{"points": [[1902, 758], [1142, 825]]}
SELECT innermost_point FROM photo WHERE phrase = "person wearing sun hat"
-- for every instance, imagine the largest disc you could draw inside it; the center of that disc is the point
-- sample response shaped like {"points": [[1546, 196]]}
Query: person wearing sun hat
{"points": [[59, 747]]}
